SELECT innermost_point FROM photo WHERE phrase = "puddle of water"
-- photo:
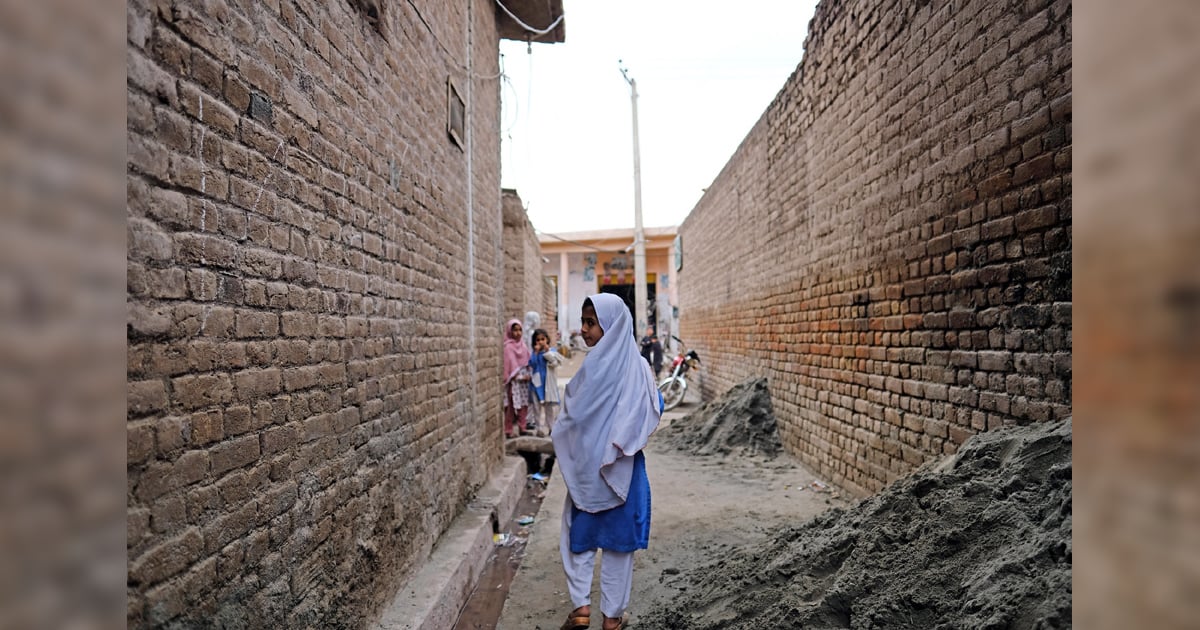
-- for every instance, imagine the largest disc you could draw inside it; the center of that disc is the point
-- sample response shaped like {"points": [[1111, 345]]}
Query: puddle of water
{"points": [[483, 608]]}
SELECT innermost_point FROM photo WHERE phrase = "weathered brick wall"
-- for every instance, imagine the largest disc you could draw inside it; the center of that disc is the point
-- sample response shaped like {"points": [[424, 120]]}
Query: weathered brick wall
{"points": [[550, 308], [313, 359], [523, 281], [891, 244]]}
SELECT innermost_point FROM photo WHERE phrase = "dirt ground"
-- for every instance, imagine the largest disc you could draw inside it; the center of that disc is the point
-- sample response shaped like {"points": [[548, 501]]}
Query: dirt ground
{"points": [[704, 506]]}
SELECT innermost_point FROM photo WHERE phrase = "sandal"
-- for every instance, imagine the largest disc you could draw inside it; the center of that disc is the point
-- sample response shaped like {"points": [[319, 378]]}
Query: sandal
{"points": [[576, 622], [620, 622]]}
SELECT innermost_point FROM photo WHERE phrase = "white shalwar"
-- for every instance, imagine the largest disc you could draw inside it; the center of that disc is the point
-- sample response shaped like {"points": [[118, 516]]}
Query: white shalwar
{"points": [[616, 572]]}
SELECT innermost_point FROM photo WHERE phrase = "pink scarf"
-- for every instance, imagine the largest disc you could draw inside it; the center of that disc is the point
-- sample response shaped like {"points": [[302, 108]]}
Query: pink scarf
{"points": [[516, 354]]}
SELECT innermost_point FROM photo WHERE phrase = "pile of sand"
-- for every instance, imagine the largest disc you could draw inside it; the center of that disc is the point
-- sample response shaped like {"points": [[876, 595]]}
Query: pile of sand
{"points": [[741, 422], [981, 540]]}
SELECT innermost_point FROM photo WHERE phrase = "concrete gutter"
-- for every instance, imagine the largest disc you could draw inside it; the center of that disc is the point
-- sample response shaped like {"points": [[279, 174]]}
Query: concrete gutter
{"points": [[434, 596]]}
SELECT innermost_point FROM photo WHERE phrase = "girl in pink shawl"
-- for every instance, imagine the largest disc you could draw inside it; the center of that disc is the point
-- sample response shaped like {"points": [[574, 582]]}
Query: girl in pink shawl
{"points": [[516, 379]]}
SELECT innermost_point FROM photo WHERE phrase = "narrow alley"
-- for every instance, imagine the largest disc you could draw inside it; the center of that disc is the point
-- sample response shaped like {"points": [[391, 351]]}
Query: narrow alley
{"points": [[322, 258], [704, 506]]}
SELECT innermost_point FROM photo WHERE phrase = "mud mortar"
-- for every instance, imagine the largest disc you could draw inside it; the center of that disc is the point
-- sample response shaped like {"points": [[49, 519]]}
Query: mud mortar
{"points": [[741, 422], [979, 540]]}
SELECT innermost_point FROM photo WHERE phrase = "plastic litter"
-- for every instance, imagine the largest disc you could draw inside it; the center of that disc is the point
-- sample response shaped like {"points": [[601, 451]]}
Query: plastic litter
{"points": [[525, 520], [537, 476]]}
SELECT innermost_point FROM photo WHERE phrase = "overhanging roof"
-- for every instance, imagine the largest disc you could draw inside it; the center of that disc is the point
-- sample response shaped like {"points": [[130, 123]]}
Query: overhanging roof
{"points": [[538, 14], [605, 240]]}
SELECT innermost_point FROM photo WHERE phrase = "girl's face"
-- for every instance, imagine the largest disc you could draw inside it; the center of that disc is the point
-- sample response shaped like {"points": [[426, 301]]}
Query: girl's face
{"points": [[515, 331], [541, 343], [590, 327]]}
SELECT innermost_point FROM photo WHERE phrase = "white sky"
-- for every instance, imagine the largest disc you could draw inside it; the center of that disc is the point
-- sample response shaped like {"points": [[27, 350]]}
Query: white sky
{"points": [[705, 72]]}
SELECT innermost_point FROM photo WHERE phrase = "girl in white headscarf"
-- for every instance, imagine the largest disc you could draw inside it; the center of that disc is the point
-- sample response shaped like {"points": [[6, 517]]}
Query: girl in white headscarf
{"points": [[532, 321], [610, 408]]}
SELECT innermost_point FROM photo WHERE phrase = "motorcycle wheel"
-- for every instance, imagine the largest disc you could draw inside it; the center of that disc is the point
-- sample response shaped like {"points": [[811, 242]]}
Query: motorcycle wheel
{"points": [[672, 391]]}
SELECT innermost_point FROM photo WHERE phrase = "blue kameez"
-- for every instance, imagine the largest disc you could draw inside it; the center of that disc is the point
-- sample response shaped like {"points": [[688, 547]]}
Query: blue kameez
{"points": [[624, 528]]}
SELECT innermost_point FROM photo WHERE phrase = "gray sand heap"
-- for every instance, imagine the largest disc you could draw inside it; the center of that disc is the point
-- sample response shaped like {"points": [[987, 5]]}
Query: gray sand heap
{"points": [[981, 540], [741, 422]]}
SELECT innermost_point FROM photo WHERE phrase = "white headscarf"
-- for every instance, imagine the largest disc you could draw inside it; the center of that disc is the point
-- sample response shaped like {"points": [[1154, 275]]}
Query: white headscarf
{"points": [[609, 411], [532, 321]]}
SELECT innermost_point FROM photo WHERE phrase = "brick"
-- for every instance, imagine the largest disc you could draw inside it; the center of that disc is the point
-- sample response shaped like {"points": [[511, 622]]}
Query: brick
{"points": [[1030, 28], [1030, 125], [168, 514], [145, 397], [962, 358], [206, 427], [999, 228], [256, 384], [170, 434], [1036, 169], [958, 434], [1036, 218], [167, 558], [279, 439], [139, 442], [299, 324], [235, 489], [237, 420], [194, 392], [231, 526], [936, 428], [995, 184], [993, 143], [279, 499], [317, 427], [255, 324], [234, 454], [164, 603]]}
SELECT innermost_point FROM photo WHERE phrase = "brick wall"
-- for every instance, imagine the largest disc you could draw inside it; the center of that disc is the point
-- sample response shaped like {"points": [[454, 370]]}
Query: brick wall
{"points": [[901, 270], [550, 308], [313, 327], [523, 281]]}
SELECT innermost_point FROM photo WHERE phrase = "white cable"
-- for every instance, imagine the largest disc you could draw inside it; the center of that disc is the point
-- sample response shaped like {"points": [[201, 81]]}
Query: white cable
{"points": [[535, 31], [454, 63]]}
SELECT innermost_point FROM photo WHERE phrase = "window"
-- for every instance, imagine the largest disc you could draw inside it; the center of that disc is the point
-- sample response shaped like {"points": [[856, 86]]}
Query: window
{"points": [[456, 113]]}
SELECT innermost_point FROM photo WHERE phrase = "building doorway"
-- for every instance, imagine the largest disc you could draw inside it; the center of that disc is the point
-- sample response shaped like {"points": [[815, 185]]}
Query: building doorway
{"points": [[626, 293]]}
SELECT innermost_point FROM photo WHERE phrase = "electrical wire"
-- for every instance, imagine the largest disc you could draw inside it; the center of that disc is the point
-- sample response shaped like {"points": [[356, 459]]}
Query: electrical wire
{"points": [[514, 109], [529, 104], [446, 51], [536, 31]]}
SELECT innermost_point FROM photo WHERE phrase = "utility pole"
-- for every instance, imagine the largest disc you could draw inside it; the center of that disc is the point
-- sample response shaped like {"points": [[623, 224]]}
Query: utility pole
{"points": [[639, 240]]}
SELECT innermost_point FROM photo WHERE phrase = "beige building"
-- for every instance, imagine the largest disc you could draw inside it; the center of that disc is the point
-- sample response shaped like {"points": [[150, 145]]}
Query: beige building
{"points": [[601, 261]]}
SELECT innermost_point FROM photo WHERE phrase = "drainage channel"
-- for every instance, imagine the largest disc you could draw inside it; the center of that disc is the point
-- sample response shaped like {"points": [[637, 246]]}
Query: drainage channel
{"points": [[486, 602]]}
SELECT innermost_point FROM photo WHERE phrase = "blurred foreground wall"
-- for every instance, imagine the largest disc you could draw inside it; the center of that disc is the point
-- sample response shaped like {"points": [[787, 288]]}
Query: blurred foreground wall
{"points": [[314, 236], [891, 243], [1137, 287]]}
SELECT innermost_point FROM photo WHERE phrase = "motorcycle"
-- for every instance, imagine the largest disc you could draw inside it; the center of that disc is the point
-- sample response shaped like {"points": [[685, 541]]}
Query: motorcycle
{"points": [[674, 387]]}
